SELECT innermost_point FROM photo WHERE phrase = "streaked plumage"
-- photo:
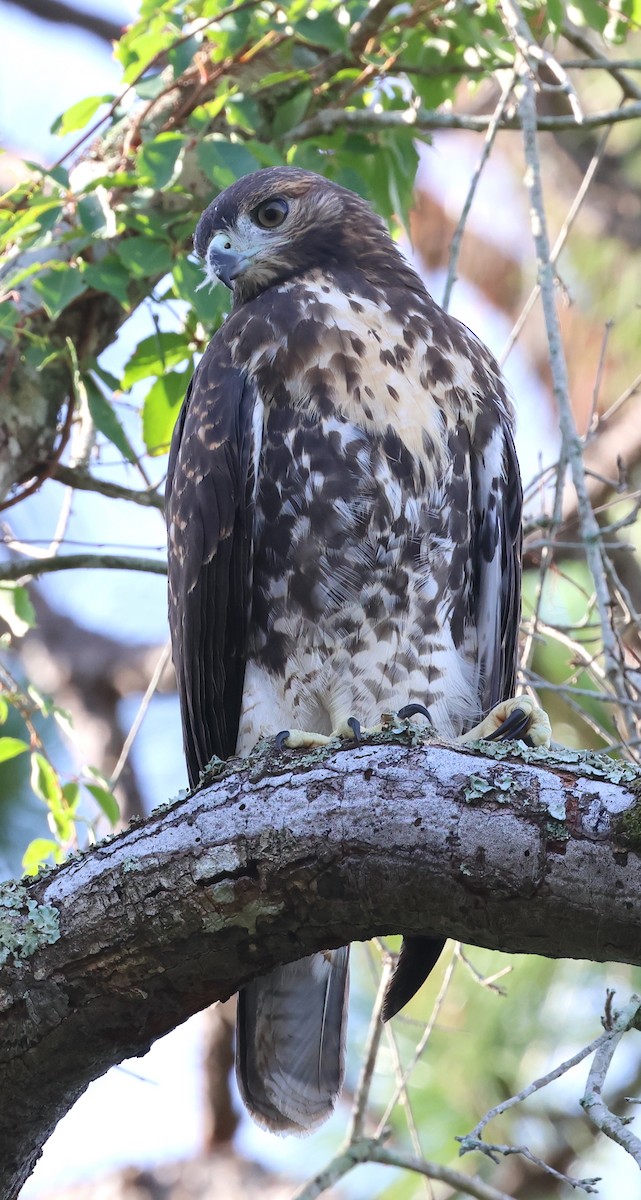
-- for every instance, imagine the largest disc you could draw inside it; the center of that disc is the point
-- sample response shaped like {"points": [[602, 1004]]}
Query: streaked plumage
{"points": [[344, 505]]}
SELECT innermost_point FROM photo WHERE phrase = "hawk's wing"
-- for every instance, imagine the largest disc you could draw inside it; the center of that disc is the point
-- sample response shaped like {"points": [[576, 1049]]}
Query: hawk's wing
{"points": [[487, 482], [496, 563], [209, 517]]}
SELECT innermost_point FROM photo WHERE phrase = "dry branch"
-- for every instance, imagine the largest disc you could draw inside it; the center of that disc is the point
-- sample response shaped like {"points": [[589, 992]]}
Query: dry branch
{"points": [[287, 854]]}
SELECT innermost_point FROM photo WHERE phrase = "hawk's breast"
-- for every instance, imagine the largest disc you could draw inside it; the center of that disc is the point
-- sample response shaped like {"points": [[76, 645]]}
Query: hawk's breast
{"points": [[361, 513]]}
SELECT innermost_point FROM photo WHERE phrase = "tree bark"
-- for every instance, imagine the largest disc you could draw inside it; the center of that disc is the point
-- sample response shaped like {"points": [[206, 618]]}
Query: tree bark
{"points": [[290, 853]]}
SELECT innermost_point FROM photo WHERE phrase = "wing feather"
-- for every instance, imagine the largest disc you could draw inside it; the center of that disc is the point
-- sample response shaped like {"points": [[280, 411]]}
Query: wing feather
{"points": [[496, 563], [209, 509]]}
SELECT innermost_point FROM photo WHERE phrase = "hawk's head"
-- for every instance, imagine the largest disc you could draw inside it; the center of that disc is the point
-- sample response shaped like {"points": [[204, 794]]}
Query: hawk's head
{"points": [[281, 222]]}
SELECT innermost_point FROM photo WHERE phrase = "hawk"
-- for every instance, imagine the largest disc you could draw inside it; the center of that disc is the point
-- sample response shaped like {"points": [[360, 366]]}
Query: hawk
{"points": [[344, 516]]}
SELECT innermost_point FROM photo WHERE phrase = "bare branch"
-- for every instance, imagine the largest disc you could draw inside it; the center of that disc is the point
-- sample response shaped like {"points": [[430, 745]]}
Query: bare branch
{"points": [[31, 568], [592, 1102], [572, 444], [84, 481], [425, 120], [60, 13], [122, 943], [457, 236], [371, 1150]]}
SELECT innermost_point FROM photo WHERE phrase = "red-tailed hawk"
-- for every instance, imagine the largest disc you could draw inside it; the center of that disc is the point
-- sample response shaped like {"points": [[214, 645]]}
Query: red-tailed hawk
{"points": [[344, 512]]}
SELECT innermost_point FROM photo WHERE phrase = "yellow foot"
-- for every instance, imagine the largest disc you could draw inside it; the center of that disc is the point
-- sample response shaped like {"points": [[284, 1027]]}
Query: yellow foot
{"points": [[351, 730], [300, 739], [519, 717]]}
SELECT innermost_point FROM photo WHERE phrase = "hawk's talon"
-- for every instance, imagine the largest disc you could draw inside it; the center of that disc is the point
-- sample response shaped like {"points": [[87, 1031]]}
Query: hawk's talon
{"points": [[520, 717], [280, 739], [515, 726], [413, 710], [355, 727]]}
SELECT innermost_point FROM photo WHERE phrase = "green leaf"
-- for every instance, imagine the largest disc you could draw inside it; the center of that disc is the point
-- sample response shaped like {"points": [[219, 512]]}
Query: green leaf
{"points": [[37, 218], [151, 86], [11, 747], [105, 419], [224, 162], [325, 30], [4, 710], [153, 355], [291, 113], [38, 853], [96, 214], [109, 275], [8, 317], [209, 304], [106, 801], [71, 793], [58, 287], [79, 114], [159, 160], [44, 780], [161, 408], [16, 609], [589, 12], [144, 257]]}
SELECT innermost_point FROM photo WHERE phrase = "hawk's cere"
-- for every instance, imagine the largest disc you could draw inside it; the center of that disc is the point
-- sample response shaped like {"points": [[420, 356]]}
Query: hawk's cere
{"points": [[344, 512]]}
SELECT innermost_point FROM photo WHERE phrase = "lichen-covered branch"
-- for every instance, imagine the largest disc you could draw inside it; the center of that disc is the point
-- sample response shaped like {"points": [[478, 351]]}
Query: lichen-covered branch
{"points": [[284, 854]]}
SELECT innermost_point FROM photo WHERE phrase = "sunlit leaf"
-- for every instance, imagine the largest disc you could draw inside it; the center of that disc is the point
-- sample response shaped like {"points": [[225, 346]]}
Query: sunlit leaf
{"points": [[223, 161], [105, 419], [158, 160], [79, 114], [161, 408], [38, 854], [71, 793], [106, 801], [144, 257], [16, 609], [44, 780], [96, 214], [9, 315], [109, 275], [11, 747], [209, 302], [154, 354], [58, 287]]}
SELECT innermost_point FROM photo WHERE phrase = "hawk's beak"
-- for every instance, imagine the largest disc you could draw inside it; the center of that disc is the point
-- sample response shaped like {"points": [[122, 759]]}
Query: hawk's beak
{"points": [[225, 262]]}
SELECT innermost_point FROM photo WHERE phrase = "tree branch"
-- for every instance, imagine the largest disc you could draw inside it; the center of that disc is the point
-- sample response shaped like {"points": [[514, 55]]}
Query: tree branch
{"points": [[288, 854], [424, 120], [59, 13], [84, 481], [31, 568]]}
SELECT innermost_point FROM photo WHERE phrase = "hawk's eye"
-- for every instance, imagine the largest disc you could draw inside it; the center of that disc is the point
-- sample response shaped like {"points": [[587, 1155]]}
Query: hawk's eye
{"points": [[271, 213]]}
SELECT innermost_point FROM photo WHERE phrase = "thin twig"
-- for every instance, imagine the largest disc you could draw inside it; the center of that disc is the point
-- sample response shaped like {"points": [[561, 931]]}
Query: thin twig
{"points": [[374, 1034], [371, 1150], [84, 481], [576, 205], [31, 568], [421, 1044], [534, 55], [589, 526], [457, 237], [615, 69], [163, 659]]}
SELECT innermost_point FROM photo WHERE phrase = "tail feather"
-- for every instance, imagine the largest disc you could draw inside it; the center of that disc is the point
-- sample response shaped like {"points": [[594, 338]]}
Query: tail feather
{"points": [[290, 1051], [417, 957]]}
